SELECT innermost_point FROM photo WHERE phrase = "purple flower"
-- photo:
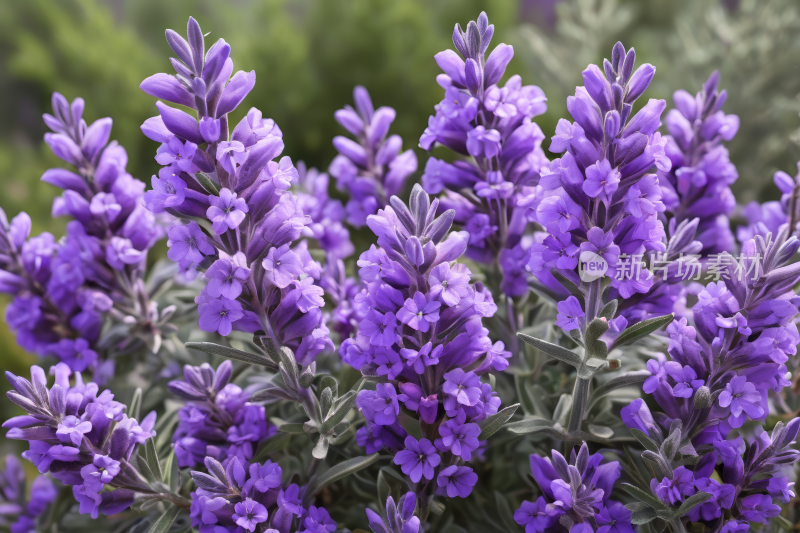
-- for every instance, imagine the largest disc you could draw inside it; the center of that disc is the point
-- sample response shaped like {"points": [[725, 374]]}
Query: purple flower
{"points": [[483, 142], [759, 508], [463, 388], [102, 470], [282, 266], [265, 477], [168, 191], [316, 520], [735, 526], [780, 487], [188, 243], [637, 415], [537, 516], [426, 356], [741, 397], [673, 491], [614, 518], [175, 152], [686, 381], [458, 437], [227, 275], [559, 213], [381, 329], [418, 313], [601, 181], [249, 513], [71, 430], [418, 460], [449, 284], [644, 198], [457, 481], [291, 500], [219, 315], [570, 314], [226, 211], [380, 406]]}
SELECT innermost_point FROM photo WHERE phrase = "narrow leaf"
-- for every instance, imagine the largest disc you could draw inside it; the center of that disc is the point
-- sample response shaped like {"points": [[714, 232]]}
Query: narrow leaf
{"points": [[642, 496], [276, 442], [172, 472], [337, 414], [207, 183], [504, 510], [553, 350], [492, 424], [232, 353], [530, 425], [643, 515], [166, 520], [645, 440], [691, 502], [295, 429], [338, 472], [152, 458], [136, 404], [625, 380], [641, 330]]}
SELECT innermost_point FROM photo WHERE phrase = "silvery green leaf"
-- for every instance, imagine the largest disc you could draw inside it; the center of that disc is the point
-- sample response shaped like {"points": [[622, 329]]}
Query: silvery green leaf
{"points": [[166, 520], [645, 440], [337, 472], [172, 472], [339, 411], [325, 400], [609, 310], [643, 515], [601, 431], [152, 458], [320, 451], [529, 425], [691, 502], [493, 423], [294, 429], [232, 353], [276, 442], [642, 496], [562, 410], [641, 329], [207, 183], [136, 404], [626, 380], [553, 350], [504, 510]]}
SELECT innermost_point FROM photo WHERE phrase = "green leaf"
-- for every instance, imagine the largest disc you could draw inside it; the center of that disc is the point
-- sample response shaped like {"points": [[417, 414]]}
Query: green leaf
{"points": [[642, 496], [172, 472], [641, 330], [626, 380], [232, 353], [166, 520], [288, 367], [320, 451], [144, 469], [529, 425], [338, 472], [383, 492], [207, 183], [339, 411], [136, 404], [645, 440], [276, 442], [152, 458], [609, 310], [553, 350], [504, 510], [691, 502], [641, 513], [295, 429], [492, 424]]}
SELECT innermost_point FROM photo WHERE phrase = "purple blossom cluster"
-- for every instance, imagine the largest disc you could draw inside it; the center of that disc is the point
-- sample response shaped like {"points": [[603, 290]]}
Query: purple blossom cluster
{"points": [[218, 421], [328, 230], [18, 512], [602, 206], [238, 217], [399, 518], [64, 289], [371, 168], [492, 126], [576, 495], [422, 334], [720, 373], [250, 497], [81, 436], [698, 184]]}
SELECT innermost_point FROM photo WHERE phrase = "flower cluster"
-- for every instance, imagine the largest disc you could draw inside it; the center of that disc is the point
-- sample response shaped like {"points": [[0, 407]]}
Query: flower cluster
{"points": [[698, 184], [719, 376], [219, 421], [63, 290], [599, 203], [242, 219], [250, 497], [18, 513], [422, 332], [576, 495], [371, 169], [491, 125], [81, 436], [327, 228], [399, 518]]}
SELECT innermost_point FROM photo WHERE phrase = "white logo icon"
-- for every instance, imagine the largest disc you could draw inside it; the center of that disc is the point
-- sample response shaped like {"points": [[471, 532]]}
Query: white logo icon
{"points": [[591, 266]]}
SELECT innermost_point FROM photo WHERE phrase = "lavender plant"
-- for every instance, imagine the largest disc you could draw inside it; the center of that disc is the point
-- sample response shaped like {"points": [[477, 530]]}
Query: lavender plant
{"points": [[622, 243]]}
